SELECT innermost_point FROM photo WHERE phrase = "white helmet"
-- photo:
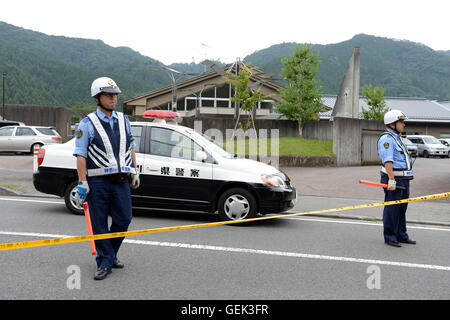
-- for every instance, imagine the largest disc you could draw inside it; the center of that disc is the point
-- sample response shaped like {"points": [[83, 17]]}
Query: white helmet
{"points": [[104, 84], [394, 116]]}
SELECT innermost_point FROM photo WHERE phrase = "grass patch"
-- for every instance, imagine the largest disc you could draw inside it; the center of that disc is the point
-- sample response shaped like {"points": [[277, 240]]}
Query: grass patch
{"points": [[288, 146], [10, 187]]}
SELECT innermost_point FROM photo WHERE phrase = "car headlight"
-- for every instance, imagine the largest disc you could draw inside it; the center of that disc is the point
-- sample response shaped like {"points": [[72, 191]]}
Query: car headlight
{"points": [[273, 180]]}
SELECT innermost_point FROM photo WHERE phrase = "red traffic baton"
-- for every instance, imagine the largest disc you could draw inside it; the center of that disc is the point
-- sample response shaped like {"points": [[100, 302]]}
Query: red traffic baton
{"points": [[89, 227], [376, 184]]}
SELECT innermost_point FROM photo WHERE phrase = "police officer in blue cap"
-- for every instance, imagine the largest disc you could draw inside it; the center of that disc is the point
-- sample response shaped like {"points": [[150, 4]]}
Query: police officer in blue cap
{"points": [[106, 165], [395, 172]]}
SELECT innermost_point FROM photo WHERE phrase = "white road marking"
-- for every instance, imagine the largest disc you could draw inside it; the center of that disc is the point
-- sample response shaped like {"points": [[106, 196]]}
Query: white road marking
{"points": [[32, 200], [253, 251]]}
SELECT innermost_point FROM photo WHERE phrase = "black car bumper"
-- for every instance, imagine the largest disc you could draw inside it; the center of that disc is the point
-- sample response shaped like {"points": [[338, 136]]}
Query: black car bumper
{"points": [[53, 180], [275, 200]]}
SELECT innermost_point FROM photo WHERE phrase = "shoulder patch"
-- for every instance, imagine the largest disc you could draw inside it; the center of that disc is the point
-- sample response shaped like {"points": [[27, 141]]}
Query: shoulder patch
{"points": [[79, 134], [386, 145]]}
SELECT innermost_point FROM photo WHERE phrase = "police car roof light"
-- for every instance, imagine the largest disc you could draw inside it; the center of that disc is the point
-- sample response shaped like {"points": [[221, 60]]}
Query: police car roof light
{"points": [[161, 114]]}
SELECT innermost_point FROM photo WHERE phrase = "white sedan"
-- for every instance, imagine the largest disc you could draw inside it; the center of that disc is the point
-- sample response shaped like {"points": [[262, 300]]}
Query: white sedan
{"points": [[24, 138]]}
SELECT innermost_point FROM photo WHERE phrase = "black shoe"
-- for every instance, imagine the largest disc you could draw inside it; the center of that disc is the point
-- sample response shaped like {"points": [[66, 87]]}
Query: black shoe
{"points": [[101, 273], [393, 243], [117, 264], [408, 241]]}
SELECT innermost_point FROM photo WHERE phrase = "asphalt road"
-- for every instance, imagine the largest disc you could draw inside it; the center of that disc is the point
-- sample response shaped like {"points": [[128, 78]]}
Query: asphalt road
{"points": [[290, 258]]}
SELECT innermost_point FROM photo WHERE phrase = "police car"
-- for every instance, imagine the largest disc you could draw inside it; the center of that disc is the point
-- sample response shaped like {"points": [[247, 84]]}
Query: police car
{"points": [[180, 170]]}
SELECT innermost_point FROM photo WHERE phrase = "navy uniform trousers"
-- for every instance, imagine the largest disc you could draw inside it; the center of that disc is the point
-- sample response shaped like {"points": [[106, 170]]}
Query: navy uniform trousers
{"points": [[107, 198], [394, 216]]}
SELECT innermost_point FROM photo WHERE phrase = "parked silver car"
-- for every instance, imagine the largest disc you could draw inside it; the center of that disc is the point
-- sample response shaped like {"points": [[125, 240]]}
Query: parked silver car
{"points": [[446, 142], [411, 147], [23, 138], [428, 146]]}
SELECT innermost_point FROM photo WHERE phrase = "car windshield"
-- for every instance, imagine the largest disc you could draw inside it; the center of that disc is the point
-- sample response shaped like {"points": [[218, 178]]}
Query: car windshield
{"points": [[211, 144], [46, 131], [431, 140]]}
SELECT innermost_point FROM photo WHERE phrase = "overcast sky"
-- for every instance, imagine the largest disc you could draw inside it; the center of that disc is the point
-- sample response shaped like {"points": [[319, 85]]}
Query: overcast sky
{"points": [[192, 30]]}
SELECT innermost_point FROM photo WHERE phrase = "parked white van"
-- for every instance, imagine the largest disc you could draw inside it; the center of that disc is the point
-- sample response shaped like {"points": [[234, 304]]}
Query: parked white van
{"points": [[428, 146], [180, 169]]}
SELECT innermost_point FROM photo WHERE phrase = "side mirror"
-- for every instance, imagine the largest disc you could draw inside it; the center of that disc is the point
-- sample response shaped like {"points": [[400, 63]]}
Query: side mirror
{"points": [[200, 155]]}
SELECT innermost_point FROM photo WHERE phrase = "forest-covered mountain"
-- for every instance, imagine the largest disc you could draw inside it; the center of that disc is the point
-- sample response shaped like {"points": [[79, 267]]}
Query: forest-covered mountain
{"points": [[51, 70], [404, 68], [55, 70]]}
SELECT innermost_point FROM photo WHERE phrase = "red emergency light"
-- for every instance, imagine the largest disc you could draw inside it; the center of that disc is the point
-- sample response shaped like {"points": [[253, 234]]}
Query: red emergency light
{"points": [[161, 114]]}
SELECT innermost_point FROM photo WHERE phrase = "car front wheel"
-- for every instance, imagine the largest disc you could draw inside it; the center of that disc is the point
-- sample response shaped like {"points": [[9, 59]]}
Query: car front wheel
{"points": [[237, 204], [70, 198]]}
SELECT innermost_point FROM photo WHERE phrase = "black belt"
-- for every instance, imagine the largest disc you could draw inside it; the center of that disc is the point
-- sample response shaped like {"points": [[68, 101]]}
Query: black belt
{"points": [[118, 177]]}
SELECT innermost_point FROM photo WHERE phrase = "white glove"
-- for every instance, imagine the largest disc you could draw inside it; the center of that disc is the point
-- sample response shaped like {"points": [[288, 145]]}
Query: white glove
{"points": [[392, 185], [82, 192], [135, 181]]}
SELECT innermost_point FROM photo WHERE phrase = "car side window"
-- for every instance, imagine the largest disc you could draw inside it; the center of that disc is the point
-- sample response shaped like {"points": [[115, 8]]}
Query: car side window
{"points": [[136, 133], [25, 132], [46, 131], [6, 132], [170, 143]]}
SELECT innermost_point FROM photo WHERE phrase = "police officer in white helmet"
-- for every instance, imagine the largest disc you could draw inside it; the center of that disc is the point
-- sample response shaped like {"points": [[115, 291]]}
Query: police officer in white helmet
{"points": [[396, 172], [106, 166]]}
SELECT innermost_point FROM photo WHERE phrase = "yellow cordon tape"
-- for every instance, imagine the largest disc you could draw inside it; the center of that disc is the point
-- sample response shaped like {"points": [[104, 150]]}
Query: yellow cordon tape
{"points": [[51, 242]]}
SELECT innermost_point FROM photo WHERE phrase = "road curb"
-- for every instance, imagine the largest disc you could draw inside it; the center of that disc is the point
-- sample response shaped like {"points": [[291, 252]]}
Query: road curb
{"points": [[9, 192]]}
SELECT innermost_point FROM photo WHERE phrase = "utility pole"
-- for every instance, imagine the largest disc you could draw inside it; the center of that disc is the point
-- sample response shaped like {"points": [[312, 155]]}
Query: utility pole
{"points": [[3, 110], [174, 79], [237, 106]]}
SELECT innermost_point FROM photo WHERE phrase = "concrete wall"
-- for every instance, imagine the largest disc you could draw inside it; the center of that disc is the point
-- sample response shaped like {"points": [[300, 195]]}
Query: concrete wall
{"points": [[56, 117], [307, 161], [348, 137], [320, 130]]}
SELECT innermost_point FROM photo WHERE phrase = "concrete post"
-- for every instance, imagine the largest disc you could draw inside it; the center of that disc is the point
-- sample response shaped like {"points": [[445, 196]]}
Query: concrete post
{"points": [[347, 102]]}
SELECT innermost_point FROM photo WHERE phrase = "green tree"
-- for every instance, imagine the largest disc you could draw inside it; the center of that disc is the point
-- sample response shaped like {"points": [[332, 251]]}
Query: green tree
{"points": [[80, 111], [245, 97], [375, 99], [302, 96]]}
